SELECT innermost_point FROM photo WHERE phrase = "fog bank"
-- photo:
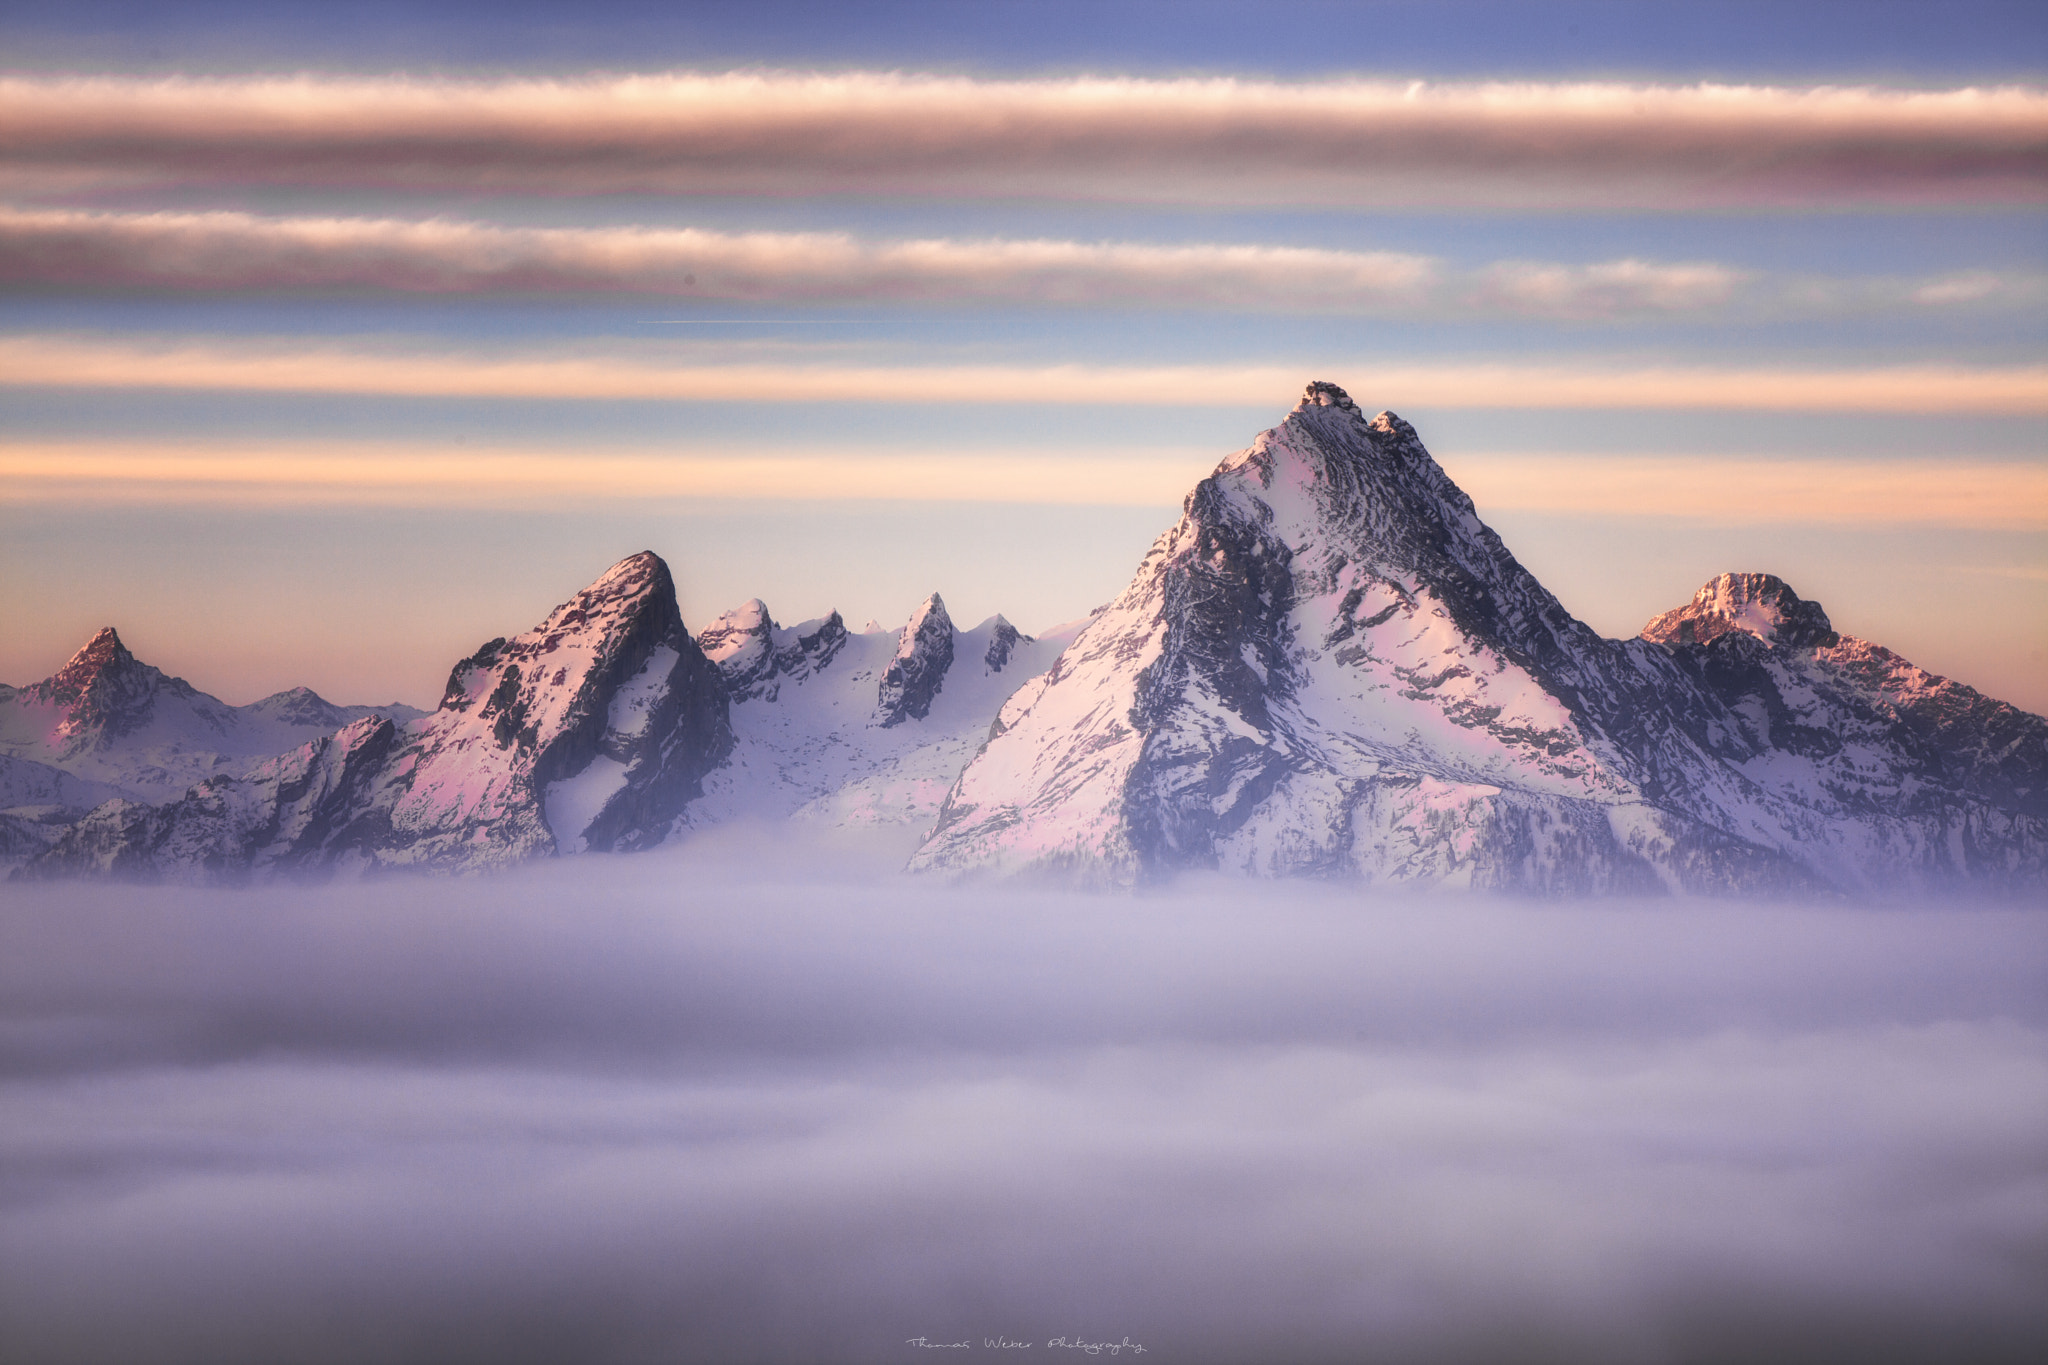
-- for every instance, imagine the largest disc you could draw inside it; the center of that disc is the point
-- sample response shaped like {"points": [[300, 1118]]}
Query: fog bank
{"points": [[690, 1107]]}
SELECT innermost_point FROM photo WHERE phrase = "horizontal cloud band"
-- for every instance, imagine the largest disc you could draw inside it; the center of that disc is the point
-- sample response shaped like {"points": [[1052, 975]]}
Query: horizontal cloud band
{"points": [[284, 366], [229, 252], [1780, 490], [1216, 140]]}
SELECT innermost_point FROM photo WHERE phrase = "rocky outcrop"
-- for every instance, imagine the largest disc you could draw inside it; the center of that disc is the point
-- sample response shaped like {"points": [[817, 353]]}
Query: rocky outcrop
{"points": [[913, 678], [1756, 603], [1002, 644], [591, 731]]}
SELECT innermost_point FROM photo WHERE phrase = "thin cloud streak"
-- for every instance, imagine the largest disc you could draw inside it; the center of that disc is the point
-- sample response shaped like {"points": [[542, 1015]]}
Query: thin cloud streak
{"points": [[468, 477], [288, 365], [232, 253], [1699, 488], [235, 251], [1194, 140]]}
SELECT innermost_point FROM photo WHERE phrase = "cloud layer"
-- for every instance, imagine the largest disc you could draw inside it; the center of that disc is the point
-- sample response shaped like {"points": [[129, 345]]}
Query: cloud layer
{"points": [[684, 1108], [289, 365], [1730, 490], [236, 252], [1221, 140]]}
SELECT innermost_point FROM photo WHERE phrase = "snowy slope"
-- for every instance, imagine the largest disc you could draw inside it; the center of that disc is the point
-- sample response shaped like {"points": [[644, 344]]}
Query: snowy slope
{"points": [[1330, 666], [592, 730], [108, 717], [37, 803], [867, 729]]}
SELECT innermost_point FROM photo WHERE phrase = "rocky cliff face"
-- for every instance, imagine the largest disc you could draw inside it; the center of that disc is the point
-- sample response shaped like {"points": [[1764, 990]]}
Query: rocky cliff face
{"points": [[923, 655], [1330, 666], [591, 731]]}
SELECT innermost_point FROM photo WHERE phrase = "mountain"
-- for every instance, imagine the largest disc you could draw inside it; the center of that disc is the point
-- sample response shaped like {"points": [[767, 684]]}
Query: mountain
{"points": [[1848, 726], [108, 717], [591, 731], [868, 729], [1330, 666], [37, 803]]}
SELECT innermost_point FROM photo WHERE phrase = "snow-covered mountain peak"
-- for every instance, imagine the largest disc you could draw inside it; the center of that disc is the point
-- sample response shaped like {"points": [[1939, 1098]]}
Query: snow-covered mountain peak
{"points": [[102, 681], [749, 617], [632, 587], [756, 656], [303, 708], [742, 643], [101, 696], [1759, 604]]}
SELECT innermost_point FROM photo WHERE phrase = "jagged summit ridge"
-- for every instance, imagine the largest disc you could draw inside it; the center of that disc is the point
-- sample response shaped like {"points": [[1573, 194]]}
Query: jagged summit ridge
{"points": [[591, 731], [1320, 393], [1759, 604], [1328, 609], [105, 692], [757, 657]]}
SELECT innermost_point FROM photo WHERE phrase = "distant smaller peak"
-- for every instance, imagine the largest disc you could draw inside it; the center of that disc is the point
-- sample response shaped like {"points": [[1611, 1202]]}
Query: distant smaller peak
{"points": [[1758, 604], [104, 643], [750, 615], [1390, 423], [932, 609], [1322, 394]]}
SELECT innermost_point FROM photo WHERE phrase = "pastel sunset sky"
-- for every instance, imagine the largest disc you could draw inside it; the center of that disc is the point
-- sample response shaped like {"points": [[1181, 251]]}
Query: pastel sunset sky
{"points": [[340, 337]]}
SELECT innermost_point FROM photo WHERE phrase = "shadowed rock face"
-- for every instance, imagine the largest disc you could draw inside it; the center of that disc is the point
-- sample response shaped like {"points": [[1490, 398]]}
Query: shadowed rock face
{"points": [[1002, 644], [914, 677], [1331, 666], [592, 730]]}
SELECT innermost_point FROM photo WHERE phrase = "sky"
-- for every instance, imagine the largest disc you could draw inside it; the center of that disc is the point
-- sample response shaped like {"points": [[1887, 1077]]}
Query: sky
{"points": [[336, 339]]}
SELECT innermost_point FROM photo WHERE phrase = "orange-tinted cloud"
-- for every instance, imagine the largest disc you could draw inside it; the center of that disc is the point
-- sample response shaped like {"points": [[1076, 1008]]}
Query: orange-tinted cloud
{"points": [[1699, 488], [285, 365]]}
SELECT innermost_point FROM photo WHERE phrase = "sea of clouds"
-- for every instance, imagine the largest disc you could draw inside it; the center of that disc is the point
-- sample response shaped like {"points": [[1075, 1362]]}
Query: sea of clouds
{"points": [[735, 1103]]}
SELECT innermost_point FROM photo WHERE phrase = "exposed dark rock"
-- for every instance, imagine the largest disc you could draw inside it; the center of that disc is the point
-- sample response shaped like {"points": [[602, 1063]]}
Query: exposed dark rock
{"points": [[914, 677], [1003, 640]]}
